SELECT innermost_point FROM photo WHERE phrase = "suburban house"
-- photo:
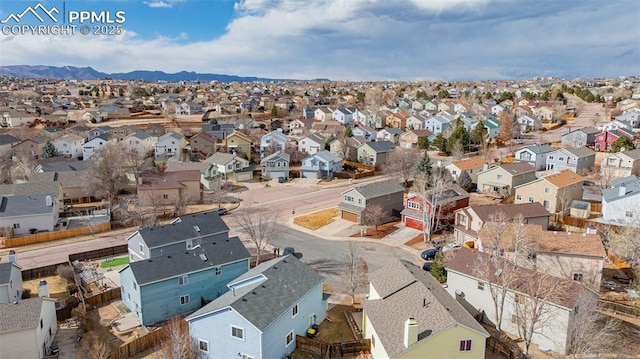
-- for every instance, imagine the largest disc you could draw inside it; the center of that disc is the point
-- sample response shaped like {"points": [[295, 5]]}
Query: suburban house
{"points": [[209, 176], [374, 153], [72, 185], [273, 140], [412, 138], [620, 202], [469, 221], [183, 233], [365, 131], [168, 188], [99, 131], [555, 192], [322, 164], [93, 145], [578, 138], [397, 120], [262, 312], [389, 194], [416, 121], [276, 165], [231, 167], [559, 313], [500, 180], [176, 283], [10, 282], [620, 164], [535, 155], [343, 115], [605, 139], [219, 130], [29, 213], [203, 143], [69, 145], [408, 314], [391, 134], [438, 123], [323, 114], [238, 143], [416, 208], [27, 328], [312, 143], [529, 123], [170, 144], [347, 148], [141, 142], [576, 159], [7, 141], [492, 125], [473, 166], [569, 255]]}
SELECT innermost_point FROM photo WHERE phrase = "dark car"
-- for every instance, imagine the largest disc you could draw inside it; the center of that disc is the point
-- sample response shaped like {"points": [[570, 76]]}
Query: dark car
{"points": [[427, 265], [429, 254], [288, 250], [609, 285], [282, 180], [221, 211]]}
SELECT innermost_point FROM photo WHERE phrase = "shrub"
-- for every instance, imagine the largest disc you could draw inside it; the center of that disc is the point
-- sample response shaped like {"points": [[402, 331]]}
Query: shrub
{"points": [[65, 272]]}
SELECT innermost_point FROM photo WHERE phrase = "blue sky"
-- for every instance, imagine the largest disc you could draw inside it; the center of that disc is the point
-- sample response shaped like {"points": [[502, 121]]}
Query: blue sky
{"points": [[347, 39]]}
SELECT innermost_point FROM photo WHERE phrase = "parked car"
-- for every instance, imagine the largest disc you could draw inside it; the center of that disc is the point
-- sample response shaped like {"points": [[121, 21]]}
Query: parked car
{"points": [[429, 254], [427, 265], [221, 211], [288, 250], [609, 285], [282, 180]]}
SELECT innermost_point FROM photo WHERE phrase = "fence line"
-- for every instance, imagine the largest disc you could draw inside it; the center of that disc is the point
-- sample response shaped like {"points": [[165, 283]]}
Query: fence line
{"points": [[332, 350], [103, 297], [55, 235], [502, 349], [619, 308]]}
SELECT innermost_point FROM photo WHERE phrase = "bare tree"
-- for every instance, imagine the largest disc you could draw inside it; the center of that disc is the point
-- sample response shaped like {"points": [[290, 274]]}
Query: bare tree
{"points": [[374, 215], [178, 343], [431, 190], [136, 162], [355, 274], [402, 163], [458, 150], [219, 193], [92, 347], [260, 224], [105, 172], [23, 166], [624, 241], [182, 202], [594, 333]]}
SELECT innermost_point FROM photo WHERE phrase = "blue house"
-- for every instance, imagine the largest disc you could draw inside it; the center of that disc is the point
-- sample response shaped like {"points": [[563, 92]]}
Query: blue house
{"points": [[261, 314], [159, 288], [182, 234], [322, 164]]}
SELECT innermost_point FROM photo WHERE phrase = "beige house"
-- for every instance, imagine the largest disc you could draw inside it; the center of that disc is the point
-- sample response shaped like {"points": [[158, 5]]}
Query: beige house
{"points": [[555, 192], [473, 166], [238, 142], [388, 194], [169, 188], [621, 164], [411, 138], [500, 181], [374, 153]]}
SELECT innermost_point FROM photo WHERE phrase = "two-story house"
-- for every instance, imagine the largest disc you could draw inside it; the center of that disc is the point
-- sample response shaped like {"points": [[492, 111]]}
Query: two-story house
{"points": [[276, 165], [472, 165], [417, 209], [238, 143], [391, 134], [535, 155], [581, 137], [343, 115], [69, 145], [368, 133], [621, 202], [231, 167], [605, 139], [169, 145], [492, 125], [388, 194], [438, 123], [347, 148], [10, 282], [274, 140], [262, 312], [322, 164], [374, 153], [29, 213], [413, 138], [578, 160], [500, 181], [529, 123], [27, 328], [167, 188], [312, 143], [620, 164], [408, 314], [203, 144], [555, 192]]}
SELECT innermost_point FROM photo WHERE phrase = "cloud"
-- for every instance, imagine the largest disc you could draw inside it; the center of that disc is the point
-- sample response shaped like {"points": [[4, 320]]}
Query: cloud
{"points": [[161, 4], [374, 40]]}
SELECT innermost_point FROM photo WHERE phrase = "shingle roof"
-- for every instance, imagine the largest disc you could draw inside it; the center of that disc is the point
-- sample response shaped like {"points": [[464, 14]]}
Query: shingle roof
{"points": [[220, 158], [564, 178], [580, 151], [633, 154], [5, 271], [67, 179], [632, 188], [23, 205], [538, 149], [183, 228], [152, 180], [377, 189], [62, 166], [516, 168], [280, 284], [216, 253], [470, 163], [416, 295], [380, 146], [328, 156], [25, 314], [8, 139], [527, 210]]}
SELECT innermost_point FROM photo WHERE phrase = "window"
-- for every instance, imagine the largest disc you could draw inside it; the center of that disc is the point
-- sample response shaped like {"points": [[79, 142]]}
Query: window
{"points": [[560, 158], [481, 285], [189, 243], [463, 219], [184, 299], [531, 199], [499, 176], [547, 190], [413, 205], [551, 157], [41, 324], [515, 319], [237, 332], [373, 341], [141, 248], [465, 345], [629, 214], [546, 204], [519, 298], [577, 277], [348, 199], [129, 296], [518, 197], [454, 172], [16, 225], [203, 345], [183, 280], [294, 311], [289, 338], [165, 196], [217, 270], [135, 286]]}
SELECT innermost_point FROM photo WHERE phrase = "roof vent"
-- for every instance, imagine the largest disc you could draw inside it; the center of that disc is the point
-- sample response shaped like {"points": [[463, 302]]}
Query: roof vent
{"points": [[203, 257], [196, 228]]}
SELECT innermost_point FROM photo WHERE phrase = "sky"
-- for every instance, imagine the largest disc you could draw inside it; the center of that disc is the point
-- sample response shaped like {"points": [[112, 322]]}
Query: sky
{"points": [[356, 40]]}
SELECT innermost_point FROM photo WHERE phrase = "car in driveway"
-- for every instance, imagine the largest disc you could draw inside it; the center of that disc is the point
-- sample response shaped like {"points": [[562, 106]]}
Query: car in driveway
{"points": [[609, 285], [427, 266], [221, 211], [429, 254]]}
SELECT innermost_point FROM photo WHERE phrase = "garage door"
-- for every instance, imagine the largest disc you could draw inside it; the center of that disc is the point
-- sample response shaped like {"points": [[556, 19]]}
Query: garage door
{"points": [[243, 176], [349, 216], [309, 174], [412, 223]]}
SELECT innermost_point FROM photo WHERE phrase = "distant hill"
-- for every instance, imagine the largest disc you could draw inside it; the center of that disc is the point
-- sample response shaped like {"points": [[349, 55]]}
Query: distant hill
{"points": [[88, 73]]}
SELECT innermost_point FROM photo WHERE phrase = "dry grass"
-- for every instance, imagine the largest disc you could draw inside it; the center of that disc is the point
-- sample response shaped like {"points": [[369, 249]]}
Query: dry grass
{"points": [[316, 220], [478, 199], [57, 286], [380, 232]]}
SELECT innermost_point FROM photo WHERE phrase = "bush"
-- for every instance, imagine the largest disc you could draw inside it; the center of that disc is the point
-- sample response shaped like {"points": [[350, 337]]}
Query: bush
{"points": [[26, 293], [65, 272]]}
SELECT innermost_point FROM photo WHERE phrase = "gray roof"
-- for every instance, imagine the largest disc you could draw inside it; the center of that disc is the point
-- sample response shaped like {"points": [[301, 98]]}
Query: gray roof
{"points": [[25, 314], [211, 253], [26, 205], [5, 271], [580, 152], [539, 149], [61, 166], [394, 131], [328, 156], [22, 189], [66, 179], [284, 281], [407, 291], [220, 158], [8, 139], [589, 130], [633, 154], [317, 138], [632, 184], [382, 188], [380, 146], [283, 155], [183, 228]]}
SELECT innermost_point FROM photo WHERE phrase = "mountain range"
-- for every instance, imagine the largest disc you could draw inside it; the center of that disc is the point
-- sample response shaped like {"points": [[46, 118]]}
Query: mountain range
{"points": [[88, 73]]}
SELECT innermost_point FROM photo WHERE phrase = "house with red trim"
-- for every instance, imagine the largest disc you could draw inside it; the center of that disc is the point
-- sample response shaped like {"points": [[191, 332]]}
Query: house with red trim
{"points": [[450, 200], [604, 140]]}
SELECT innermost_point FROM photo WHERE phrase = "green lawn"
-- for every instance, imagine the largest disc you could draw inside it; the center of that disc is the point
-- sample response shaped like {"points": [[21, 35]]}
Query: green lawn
{"points": [[115, 262]]}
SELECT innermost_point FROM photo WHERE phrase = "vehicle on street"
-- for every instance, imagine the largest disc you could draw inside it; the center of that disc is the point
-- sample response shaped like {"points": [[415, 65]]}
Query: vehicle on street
{"points": [[221, 211], [427, 265], [609, 285], [288, 250], [429, 254]]}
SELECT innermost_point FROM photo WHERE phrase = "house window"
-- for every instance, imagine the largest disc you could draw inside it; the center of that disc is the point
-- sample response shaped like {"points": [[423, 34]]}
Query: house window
{"points": [[16, 225], [519, 298], [577, 277], [141, 248], [551, 157], [217, 270], [135, 286], [237, 332], [454, 172], [629, 214], [183, 280], [518, 197], [294, 311], [546, 204], [348, 199], [189, 243], [515, 319], [463, 219], [41, 324], [560, 158], [465, 345], [129, 296], [373, 341], [499, 176], [289, 338], [531, 199], [547, 190], [576, 309], [165, 196], [481, 285], [184, 299], [203, 345], [413, 205]]}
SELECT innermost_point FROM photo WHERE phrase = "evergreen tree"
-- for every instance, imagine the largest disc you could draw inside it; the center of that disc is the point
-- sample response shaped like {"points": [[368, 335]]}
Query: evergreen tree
{"points": [[459, 134], [348, 132], [622, 144], [424, 165], [440, 143], [437, 269], [479, 133], [49, 150], [465, 181]]}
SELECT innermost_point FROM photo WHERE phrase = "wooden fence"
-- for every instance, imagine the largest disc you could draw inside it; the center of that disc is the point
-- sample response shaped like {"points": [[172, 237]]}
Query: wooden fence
{"points": [[102, 298], [355, 175], [619, 308], [55, 235], [361, 166], [40, 272], [143, 343], [311, 346], [333, 350], [502, 349], [100, 253]]}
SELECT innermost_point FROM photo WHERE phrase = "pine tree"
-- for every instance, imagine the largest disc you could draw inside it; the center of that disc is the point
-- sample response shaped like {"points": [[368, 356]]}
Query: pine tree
{"points": [[424, 165], [465, 181], [49, 150]]}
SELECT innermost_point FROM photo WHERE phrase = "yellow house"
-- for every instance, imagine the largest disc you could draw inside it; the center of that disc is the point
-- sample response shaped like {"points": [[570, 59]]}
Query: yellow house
{"points": [[409, 315], [239, 142], [555, 192]]}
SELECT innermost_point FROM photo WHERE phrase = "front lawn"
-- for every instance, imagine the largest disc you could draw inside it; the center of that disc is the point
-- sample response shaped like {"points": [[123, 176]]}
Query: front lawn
{"points": [[316, 220]]}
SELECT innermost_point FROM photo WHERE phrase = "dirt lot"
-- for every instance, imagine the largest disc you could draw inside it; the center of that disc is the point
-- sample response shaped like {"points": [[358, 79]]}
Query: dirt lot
{"points": [[317, 220], [477, 199], [57, 286]]}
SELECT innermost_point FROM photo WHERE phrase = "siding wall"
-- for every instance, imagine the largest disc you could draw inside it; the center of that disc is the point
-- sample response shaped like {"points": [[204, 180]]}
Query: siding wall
{"points": [[22, 344], [43, 222], [216, 329], [447, 345]]}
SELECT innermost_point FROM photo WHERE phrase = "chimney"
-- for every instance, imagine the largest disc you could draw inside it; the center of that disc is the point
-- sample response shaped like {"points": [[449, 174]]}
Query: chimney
{"points": [[485, 166], [43, 289], [12, 257], [410, 332], [568, 129], [622, 190], [48, 201]]}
